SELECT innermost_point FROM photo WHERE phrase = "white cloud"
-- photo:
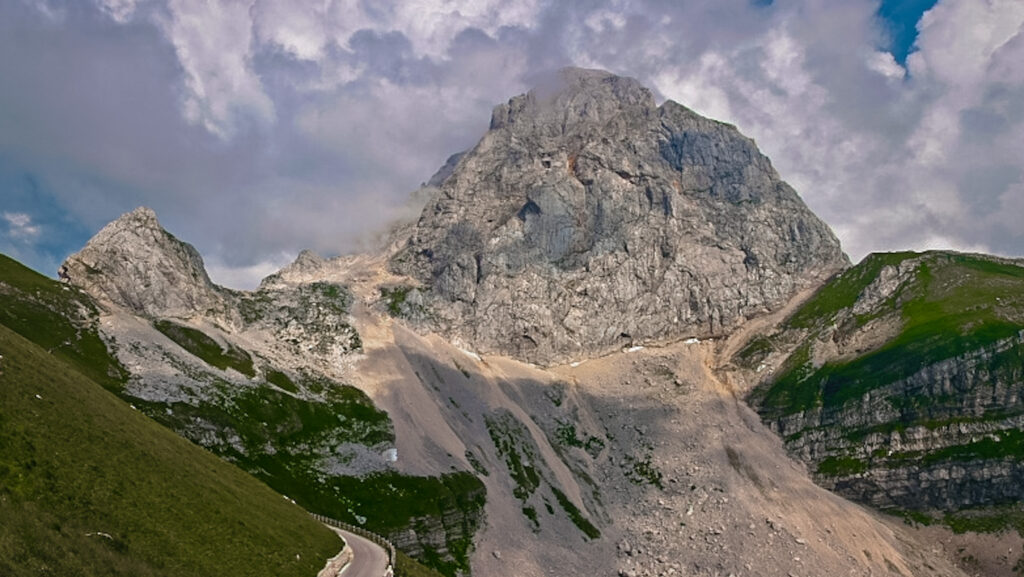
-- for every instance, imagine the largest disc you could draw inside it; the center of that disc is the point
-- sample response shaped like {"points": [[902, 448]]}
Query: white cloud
{"points": [[300, 28], [885, 64], [432, 24], [213, 41], [54, 14], [245, 277], [889, 161], [20, 226], [121, 11], [217, 40]]}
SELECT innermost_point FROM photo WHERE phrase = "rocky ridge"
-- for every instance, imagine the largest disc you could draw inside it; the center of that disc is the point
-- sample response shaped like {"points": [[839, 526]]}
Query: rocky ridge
{"points": [[908, 396], [135, 264], [588, 219]]}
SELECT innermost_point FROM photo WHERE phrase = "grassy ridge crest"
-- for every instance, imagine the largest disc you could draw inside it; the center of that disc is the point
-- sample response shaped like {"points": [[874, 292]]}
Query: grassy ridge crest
{"points": [[955, 304]]}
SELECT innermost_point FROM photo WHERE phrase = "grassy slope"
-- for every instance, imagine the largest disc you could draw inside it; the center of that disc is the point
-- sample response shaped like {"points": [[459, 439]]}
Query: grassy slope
{"points": [[955, 305], [58, 318], [76, 461], [207, 349]]}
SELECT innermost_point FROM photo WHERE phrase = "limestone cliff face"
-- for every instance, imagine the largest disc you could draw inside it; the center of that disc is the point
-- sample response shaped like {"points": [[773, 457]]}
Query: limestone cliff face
{"points": [[588, 218], [904, 383], [945, 438], [137, 265]]}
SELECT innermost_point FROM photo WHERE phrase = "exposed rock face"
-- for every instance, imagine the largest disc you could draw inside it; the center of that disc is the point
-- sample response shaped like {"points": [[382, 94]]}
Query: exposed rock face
{"points": [[905, 385], [135, 264], [959, 450], [587, 218], [307, 264]]}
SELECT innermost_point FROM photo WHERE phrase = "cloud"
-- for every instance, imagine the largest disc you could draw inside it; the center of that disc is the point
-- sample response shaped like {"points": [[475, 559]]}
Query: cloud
{"points": [[885, 64], [213, 41], [20, 227], [257, 128], [234, 276], [121, 11]]}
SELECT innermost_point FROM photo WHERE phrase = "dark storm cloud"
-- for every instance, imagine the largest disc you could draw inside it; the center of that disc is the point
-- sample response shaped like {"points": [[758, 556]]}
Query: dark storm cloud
{"points": [[256, 128]]}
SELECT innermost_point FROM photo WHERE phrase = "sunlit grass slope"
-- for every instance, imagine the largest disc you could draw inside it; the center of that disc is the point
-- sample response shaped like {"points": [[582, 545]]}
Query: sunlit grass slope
{"points": [[88, 486]]}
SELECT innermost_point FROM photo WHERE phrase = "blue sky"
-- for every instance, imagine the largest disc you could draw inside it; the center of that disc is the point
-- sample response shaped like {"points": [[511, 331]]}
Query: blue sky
{"points": [[257, 128], [901, 17]]}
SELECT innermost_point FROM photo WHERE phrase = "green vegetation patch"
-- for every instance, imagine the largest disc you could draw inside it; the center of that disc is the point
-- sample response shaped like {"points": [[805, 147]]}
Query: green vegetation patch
{"points": [[276, 431], [566, 435], [204, 347], [841, 292], [282, 380], [842, 466], [60, 319], [912, 517], [477, 465], [1005, 444], [90, 487], [755, 352], [395, 298], [513, 441], [793, 390], [530, 513], [406, 566], [403, 301], [643, 471], [987, 519], [575, 515], [388, 503]]}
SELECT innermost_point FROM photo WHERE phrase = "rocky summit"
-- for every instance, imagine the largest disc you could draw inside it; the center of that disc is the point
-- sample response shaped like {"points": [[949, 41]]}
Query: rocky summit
{"points": [[588, 219], [135, 264]]}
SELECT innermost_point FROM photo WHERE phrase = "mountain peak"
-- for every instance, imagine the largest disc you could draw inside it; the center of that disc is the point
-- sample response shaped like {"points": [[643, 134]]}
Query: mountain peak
{"points": [[587, 219], [142, 215], [573, 96], [308, 265], [135, 264]]}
